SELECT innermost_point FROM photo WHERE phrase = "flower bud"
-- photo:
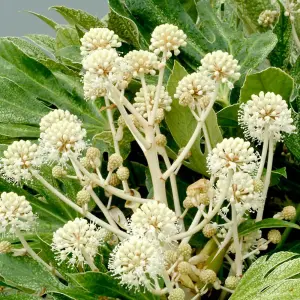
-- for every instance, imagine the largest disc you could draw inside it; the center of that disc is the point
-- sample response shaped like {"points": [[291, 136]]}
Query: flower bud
{"points": [[177, 294], [93, 156], [209, 230], [185, 250], [114, 180], [83, 197], [5, 247], [231, 282], [161, 140], [58, 172], [289, 212], [274, 236], [207, 276], [188, 203], [114, 162], [85, 162], [184, 268], [123, 173]]}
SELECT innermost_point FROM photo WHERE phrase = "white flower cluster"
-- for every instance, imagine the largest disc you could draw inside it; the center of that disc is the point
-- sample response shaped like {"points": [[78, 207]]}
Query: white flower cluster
{"points": [[221, 66], [18, 158], [154, 220], [103, 65], [266, 113], [165, 100], [137, 262], [195, 89], [291, 8], [98, 38], [267, 18], [241, 193], [167, 38], [76, 242], [61, 138], [15, 213], [232, 154]]}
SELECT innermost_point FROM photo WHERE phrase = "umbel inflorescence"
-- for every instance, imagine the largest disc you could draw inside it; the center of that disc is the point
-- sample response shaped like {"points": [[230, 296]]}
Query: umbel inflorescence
{"points": [[151, 244]]}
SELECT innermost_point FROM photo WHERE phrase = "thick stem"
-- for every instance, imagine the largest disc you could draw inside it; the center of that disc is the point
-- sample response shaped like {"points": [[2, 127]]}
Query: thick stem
{"points": [[263, 155], [236, 241], [185, 151], [77, 208], [167, 281], [146, 95], [210, 215], [34, 255], [267, 180], [174, 188], [159, 185]]}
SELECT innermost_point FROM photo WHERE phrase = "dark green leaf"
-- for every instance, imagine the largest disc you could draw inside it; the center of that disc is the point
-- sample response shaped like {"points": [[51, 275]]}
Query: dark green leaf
{"points": [[228, 116], [48, 21], [251, 226]]}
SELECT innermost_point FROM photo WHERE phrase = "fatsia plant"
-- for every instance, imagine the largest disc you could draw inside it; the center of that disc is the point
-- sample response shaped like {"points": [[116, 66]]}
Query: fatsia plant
{"points": [[151, 154]]}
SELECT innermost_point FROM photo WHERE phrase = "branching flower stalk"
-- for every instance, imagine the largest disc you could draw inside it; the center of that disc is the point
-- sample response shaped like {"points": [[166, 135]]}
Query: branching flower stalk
{"points": [[152, 249]]}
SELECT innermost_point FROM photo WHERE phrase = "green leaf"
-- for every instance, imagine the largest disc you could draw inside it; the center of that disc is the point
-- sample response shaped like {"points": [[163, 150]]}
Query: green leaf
{"points": [[250, 225], [228, 116], [270, 80], [276, 174], [48, 21], [249, 12], [19, 296], [40, 82], [24, 272], [102, 284], [190, 8], [292, 141], [44, 41], [271, 278], [78, 17], [120, 22], [182, 124]]}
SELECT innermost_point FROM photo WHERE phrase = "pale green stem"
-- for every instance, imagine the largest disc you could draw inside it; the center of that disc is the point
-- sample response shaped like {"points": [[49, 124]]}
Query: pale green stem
{"points": [[89, 260], [146, 95], [34, 255], [210, 215], [167, 281], [151, 119], [236, 241], [260, 211], [110, 189], [102, 207], [77, 208], [295, 35], [194, 223], [263, 155], [206, 138]]}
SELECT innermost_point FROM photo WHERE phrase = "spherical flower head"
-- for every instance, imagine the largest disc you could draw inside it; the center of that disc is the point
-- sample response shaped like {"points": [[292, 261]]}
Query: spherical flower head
{"points": [[15, 213], [164, 101], [55, 116], [121, 73], [5, 247], [221, 66], [289, 213], [267, 18], [231, 282], [123, 173], [58, 172], [209, 230], [241, 191], [141, 62], [94, 86], [83, 197], [167, 38], [266, 114], [208, 276], [185, 250], [195, 88], [274, 236], [232, 154], [177, 294], [114, 162], [62, 139], [100, 62], [154, 220], [98, 38], [18, 158], [75, 240], [114, 180], [137, 262]]}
